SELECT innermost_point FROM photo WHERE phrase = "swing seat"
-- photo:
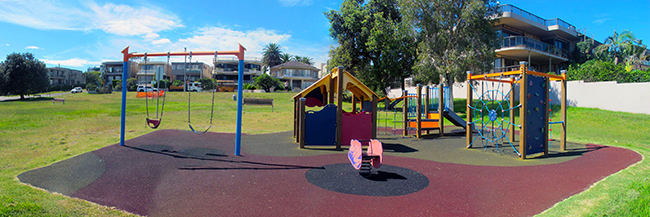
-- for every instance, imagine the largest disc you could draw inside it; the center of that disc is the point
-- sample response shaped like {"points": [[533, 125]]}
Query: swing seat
{"points": [[199, 132], [153, 123]]}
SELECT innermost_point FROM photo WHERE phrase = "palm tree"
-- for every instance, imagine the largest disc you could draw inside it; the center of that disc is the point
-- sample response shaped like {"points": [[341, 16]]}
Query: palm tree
{"points": [[307, 60], [271, 55], [285, 57], [615, 44]]}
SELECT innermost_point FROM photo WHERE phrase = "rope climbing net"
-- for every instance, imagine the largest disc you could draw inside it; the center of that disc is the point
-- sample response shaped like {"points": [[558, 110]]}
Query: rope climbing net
{"points": [[491, 112]]}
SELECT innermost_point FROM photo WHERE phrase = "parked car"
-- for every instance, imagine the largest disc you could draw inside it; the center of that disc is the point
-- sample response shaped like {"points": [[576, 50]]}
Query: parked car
{"points": [[143, 88], [76, 90]]}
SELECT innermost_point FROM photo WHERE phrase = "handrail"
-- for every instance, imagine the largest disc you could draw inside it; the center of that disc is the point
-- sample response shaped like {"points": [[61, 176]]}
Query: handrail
{"points": [[521, 12], [516, 41]]}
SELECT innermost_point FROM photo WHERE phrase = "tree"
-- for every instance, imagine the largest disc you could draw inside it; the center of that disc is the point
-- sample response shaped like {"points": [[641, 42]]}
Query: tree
{"points": [[266, 82], [271, 55], [285, 57], [453, 37], [614, 44], [207, 83], [373, 42], [306, 60], [93, 78], [23, 74], [131, 84]]}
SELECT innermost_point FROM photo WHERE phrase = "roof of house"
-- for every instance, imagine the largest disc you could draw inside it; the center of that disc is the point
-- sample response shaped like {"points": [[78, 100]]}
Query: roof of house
{"points": [[350, 83], [294, 65]]}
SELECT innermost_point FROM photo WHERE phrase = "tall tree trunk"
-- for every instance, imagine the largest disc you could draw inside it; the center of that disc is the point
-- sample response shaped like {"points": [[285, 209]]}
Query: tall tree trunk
{"points": [[22, 97]]}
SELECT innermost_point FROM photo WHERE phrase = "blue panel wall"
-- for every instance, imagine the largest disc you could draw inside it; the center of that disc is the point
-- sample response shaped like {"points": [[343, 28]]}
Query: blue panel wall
{"points": [[536, 114], [320, 126]]}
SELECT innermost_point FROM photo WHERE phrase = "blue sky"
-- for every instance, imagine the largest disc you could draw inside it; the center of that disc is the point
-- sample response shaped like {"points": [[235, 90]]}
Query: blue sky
{"points": [[80, 34]]}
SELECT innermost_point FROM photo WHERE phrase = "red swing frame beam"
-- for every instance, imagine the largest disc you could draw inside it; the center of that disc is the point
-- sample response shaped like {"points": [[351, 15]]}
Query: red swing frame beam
{"points": [[238, 53]]}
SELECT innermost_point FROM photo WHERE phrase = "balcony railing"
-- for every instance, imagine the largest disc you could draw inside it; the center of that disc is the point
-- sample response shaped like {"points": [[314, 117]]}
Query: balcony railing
{"points": [[296, 75], [535, 18], [235, 59], [520, 41]]}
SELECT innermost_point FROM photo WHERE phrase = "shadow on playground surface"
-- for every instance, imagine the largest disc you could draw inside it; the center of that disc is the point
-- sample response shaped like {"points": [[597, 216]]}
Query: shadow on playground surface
{"points": [[178, 173]]}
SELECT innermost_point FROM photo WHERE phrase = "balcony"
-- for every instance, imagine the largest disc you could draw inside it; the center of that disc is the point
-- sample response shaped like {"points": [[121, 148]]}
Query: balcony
{"points": [[246, 59], [513, 16], [296, 76], [517, 47]]}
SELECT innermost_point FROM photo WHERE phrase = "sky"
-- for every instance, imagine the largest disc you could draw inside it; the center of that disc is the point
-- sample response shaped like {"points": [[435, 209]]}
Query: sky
{"points": [[82, 33]]}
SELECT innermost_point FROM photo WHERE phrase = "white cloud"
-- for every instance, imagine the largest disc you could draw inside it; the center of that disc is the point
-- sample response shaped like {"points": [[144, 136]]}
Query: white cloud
{"points": [[161, 41], [129, 21], [289, 3], [74, 62], [70, 15], [7, 45], [31, 47], [601, 21], [211, 38]]}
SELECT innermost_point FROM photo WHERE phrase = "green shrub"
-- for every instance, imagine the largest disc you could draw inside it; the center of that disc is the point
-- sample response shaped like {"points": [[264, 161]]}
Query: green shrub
{"points": [[597, 70], [177, 83], [131, 84], [114, 83], [207, 83], [163, 84], [91, 87], [249, 86]]}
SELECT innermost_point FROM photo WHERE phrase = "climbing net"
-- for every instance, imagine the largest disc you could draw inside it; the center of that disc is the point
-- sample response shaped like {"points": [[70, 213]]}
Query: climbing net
{"points": [[491, 112]]}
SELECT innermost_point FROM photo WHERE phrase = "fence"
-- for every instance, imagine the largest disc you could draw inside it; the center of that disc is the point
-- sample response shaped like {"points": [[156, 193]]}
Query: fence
{"points": [[610, 95]]}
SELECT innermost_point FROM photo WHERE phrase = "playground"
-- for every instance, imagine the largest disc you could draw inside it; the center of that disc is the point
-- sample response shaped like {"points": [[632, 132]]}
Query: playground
{"points": [[172, 172]]}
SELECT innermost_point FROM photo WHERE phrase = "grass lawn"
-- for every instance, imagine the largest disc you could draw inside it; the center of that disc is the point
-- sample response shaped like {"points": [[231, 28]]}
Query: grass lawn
{"points": [[34, 133]]}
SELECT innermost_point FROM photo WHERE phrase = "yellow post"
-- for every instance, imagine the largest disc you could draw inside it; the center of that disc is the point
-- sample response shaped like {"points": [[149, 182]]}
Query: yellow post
{"points": [[302, 123], [374, 116], [405, 111], [523, 109], [548, 115], [441, 108], [339, 107], [418, 112], [512, 111], [563, 112]]}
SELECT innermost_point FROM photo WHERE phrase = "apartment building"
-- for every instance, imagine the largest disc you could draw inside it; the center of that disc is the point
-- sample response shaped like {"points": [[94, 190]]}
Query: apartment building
{"points": [[547, 45], [64, 76], [227, 69], [194, 71], [152, 70], [297, 74], [112, 70]]}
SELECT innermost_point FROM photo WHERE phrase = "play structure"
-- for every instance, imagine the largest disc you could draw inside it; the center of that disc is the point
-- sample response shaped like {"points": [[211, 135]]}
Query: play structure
{"points": [[156, 121], [427, 111], [331, 125], [492, 114], [364, 162]]}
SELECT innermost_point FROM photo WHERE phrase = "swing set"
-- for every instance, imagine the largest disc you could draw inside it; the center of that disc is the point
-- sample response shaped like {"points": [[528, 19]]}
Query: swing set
{"points": [[155, 122]]}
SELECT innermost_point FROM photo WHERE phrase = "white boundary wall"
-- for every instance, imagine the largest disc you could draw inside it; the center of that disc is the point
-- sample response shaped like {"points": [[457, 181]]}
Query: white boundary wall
{"points": [[610, 95]]}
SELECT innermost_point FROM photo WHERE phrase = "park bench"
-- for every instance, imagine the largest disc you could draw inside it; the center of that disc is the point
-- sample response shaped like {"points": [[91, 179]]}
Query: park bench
{"points": [[58, 100], [258, 101]]}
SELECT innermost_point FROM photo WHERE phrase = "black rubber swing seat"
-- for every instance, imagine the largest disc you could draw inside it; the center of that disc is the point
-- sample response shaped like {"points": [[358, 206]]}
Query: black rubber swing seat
{"points": [[153, 123]]}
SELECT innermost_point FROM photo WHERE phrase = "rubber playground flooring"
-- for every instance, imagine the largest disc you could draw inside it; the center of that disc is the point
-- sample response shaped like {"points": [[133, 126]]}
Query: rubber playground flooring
{"points": [[179, 173]]}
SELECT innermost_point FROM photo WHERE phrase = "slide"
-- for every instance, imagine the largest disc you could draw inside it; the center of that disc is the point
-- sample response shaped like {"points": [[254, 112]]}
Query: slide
{"points": [[457, 120], [394, 103]]}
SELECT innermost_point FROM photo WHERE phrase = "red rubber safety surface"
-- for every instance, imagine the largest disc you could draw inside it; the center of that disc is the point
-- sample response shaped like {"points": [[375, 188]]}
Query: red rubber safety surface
{"points": [[177, 173]]}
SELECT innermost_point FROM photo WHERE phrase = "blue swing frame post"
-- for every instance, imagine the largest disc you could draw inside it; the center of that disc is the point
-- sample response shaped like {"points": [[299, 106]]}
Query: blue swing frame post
{"points": [[239, 54]]}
